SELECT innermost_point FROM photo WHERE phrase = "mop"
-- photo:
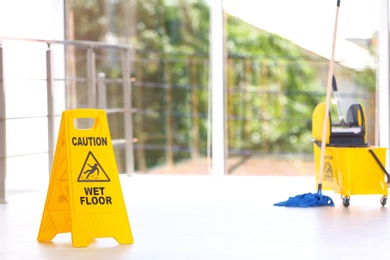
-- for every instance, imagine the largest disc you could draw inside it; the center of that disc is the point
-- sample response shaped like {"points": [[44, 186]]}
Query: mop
{"points": [[318, 199]]}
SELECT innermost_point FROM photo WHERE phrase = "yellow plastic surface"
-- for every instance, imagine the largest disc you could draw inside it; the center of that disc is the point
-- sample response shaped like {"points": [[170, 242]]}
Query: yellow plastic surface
{"points": [[84, 195], [318, 123], [352, 170]]}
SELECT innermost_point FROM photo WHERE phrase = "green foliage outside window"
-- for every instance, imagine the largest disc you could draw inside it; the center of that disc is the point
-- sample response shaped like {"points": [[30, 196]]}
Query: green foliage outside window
{"points": [[271, 88]]}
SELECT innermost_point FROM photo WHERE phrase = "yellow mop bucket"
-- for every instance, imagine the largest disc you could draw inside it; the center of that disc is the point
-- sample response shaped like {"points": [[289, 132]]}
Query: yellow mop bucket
{"points": [[351, 166]]}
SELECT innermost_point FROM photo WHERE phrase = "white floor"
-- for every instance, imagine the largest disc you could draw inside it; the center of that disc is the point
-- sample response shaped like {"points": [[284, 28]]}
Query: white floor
{"points": [[204, 217]]}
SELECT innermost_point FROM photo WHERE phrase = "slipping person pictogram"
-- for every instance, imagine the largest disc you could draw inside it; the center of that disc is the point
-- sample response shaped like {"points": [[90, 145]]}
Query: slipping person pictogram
{"points": [[94, 168]]}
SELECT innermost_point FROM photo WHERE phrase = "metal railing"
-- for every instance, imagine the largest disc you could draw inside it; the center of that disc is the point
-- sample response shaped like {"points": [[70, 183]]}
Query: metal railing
{"points": [[95, 88], [170, 94]]}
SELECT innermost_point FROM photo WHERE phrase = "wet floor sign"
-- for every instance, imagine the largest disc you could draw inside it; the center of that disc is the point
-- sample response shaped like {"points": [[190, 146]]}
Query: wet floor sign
{"points": [[84, 195]]}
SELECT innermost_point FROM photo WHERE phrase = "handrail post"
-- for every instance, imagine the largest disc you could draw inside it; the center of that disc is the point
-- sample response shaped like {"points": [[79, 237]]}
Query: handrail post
{"points": [[91, 76], [102, 96], [217, 83], [50, 105], [128, 111], [3, 147]]}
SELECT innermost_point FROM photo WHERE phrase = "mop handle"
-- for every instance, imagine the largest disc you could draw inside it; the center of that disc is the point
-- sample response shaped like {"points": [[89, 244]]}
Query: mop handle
{"points": [[338, 100], [327, 104]]}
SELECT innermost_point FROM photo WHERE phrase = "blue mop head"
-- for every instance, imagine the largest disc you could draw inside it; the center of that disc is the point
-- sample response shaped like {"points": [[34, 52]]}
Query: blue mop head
{"points": [[307, 200]]}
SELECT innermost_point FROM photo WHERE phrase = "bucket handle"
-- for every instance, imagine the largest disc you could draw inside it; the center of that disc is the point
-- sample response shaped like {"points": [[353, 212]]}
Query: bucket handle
{"points": [[380, 164]]}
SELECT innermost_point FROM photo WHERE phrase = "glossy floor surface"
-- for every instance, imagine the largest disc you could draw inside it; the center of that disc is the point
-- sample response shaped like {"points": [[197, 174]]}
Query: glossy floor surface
{"points": [[206, 217]]}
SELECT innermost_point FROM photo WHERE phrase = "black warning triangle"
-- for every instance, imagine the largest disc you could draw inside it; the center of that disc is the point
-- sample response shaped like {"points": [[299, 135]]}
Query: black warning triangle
{"points": [[92, 171]]}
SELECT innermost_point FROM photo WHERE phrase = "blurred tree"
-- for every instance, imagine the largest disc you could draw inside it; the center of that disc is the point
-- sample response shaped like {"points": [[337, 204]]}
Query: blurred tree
{"points": [[272, 89], [275, 84]]}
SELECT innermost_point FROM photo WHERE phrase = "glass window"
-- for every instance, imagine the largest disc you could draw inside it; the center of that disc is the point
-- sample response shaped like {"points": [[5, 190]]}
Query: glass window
{"points": [[272, 86]]}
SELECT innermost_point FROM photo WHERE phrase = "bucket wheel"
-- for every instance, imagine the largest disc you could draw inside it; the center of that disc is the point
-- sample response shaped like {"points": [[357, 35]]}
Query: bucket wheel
{"points": [[383, 200], [346, 201]]}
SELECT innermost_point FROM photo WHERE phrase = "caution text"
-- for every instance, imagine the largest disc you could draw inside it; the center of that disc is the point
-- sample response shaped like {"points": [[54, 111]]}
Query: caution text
{"points": [[89, 141]]}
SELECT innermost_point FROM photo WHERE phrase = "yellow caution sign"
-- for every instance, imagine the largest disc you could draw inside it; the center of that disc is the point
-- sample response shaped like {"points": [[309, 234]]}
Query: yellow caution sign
{"points": [[84, 195]]}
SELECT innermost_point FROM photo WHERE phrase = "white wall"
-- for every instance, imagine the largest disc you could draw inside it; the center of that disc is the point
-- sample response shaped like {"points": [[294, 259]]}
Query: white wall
{"points": [[25, 84]]}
